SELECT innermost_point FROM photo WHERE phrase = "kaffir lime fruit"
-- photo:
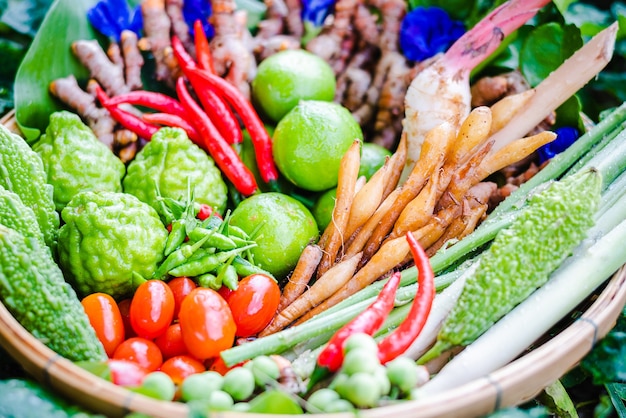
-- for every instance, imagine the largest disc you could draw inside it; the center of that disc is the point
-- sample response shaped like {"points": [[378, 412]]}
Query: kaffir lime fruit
{"points": [[323, 208], [373, 157], [280, 225], [310, 141], [287, 77]]}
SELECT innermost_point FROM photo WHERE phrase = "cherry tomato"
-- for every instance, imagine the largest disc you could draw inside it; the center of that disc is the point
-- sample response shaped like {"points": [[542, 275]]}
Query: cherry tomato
{"points": [[126, 373], [152, 309], [179, 367], [225, 292], [206, 211], [181, 287], [254, 303], [206, 323], [140, 350], [124, 307], [106, 319], [171, 342], [218, 365]]}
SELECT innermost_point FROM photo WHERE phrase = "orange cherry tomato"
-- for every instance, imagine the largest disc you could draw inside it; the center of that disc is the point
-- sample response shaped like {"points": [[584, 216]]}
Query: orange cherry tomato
{"points": [[179, 367], [124, 307], [152, 309], [206, 323], [181, 287], [126, 373], [106, 319], [254, 303], [171, 342], [141, 351]]}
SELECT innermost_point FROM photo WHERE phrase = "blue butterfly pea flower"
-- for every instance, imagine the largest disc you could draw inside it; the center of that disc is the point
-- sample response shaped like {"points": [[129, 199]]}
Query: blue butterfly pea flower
{"points": [[111, 17], [315, 11], [565, 137], [425, 32], [198, 10]]}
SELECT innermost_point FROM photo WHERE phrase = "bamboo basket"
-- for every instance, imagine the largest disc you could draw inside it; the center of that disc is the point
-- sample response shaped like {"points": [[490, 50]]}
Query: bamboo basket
{"points": [[511, 385]]}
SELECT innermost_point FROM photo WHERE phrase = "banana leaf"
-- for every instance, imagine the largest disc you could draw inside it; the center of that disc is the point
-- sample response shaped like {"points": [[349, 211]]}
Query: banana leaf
{"points": [[49, 57]]}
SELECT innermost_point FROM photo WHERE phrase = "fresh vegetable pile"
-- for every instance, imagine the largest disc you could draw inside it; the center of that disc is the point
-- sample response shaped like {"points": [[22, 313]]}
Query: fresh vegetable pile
{"points": [[191, 212]]}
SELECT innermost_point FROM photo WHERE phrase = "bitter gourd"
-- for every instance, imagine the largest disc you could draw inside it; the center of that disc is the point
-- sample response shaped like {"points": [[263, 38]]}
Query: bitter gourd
{"points": [[16, 215], [22, 172], [33, 289], [521, 258]]}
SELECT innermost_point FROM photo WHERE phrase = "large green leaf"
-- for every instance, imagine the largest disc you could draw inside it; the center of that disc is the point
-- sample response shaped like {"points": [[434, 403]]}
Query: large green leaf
{"points": [[48, 58]]}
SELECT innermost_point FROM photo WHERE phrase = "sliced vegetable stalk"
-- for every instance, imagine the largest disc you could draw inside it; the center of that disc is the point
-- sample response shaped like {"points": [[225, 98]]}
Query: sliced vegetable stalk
{"points": [[521, 258]]}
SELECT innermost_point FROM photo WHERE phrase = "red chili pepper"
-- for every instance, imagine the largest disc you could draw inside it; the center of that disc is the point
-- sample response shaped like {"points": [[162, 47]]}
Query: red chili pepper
{"points": [[172, 120], [368, 321], [218, 110], [203, 48], [127, 120], [152, 100], [212, 141], [260, 138], [402, 337]]}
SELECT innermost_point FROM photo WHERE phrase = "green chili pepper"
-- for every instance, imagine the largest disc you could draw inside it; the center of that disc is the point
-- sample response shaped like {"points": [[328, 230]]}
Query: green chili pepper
{"points": [[215, 239], [176, 236], [246, 268], [176, 258], [204, 264], [228, 275], [209, 280]]}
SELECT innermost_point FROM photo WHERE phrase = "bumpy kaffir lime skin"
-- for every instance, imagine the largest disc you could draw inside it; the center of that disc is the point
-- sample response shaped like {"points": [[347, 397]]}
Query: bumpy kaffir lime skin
{"points": [[108, 236], [22, 172], [522, 256], [75, 160], [32, 287], [167, 163]]}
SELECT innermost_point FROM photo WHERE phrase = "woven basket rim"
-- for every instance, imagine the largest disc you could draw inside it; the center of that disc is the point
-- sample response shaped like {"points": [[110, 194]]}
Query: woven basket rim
{"points": [[511, 385]]}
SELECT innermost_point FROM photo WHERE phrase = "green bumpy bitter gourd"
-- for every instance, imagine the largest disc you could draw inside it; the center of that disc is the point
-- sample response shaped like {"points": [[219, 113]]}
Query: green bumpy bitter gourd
{"points": [[521, 258], [33, 289], [22, 172], [16, 215]]}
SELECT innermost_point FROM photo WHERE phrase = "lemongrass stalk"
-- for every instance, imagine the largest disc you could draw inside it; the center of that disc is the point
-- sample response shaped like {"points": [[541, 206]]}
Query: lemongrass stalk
{"points": [[613, 122], [610, 161], [591, 265], [560, 85]]}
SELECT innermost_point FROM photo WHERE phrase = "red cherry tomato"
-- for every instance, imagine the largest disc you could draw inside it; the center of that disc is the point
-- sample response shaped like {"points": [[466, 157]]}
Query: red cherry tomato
{"points": [[181, 287], [171, 342], [141, 351], [254, 303], [152, 309], [126, 373], [124, 307], [225, 292], [106, 319], [206, 211], [218, 365], [206, 323], [179, 367]]}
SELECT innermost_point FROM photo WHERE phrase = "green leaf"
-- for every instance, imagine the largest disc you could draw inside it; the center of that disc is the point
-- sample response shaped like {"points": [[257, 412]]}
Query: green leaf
{"points": [[275, 402], [617, 393], [546, 48], [568, 114], [557, 399], [47, 59]]}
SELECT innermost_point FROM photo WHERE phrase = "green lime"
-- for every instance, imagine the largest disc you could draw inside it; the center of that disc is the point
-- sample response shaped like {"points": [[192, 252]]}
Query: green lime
{"points": [[280, 225], [323, 208], [310, 141], [287, 77], [372, 158]]}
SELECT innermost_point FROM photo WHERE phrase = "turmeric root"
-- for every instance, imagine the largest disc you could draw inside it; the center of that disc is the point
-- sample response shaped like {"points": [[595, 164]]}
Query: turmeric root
{"points": [[98, 119]]}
